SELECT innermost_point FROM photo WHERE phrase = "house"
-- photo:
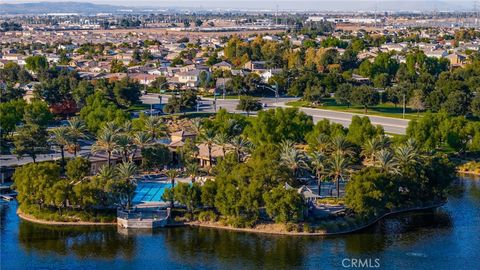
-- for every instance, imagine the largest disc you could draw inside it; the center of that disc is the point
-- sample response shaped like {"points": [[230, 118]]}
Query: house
{"points": [[190, 78], [266, 75], [222, 66], [143, 78], [204, 157], [436, 54], [457, 60], [255, 65]]}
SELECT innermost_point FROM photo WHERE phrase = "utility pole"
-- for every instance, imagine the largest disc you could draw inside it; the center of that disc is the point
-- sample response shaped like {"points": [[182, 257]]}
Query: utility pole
{"points": [[404, 104]]}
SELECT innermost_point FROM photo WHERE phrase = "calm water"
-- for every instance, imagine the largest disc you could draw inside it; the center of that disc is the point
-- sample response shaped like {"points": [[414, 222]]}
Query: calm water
{"points": [[448, 238]]}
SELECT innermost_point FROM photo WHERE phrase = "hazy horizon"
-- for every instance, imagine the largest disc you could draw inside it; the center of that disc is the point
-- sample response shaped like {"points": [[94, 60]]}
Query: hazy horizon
{"points": [[304, 5]]}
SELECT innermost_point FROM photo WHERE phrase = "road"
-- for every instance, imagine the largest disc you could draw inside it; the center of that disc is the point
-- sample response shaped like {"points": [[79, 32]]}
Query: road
{"points": [[11, 160], [390, 125]]}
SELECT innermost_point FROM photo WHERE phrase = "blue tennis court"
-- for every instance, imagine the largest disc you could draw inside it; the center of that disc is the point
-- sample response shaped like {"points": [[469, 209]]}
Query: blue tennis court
{"points": [[149, 192]]}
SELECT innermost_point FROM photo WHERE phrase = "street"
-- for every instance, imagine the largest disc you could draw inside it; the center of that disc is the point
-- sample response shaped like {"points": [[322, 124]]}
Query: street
{"points": [[390, 125]]}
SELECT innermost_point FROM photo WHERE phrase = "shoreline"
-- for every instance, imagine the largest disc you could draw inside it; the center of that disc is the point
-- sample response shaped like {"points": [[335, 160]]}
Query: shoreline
{"points": [[265, 230], [61, 223]]}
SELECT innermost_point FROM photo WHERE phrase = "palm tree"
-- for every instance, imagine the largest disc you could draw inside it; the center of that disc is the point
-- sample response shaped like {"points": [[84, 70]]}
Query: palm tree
{"points": [[154, 127], [340, 145], [126, 172], [222, 140], [385, 160], [127, 128], [192, 170], [318, 165], [337, 167], [324, 143], [208, 138], [406, 154], [77, 130], [172, 174], [240, 146], [107, 173], [124, 143], [292, 158], [106, 141], [370, 148], [141, 140], [61, 138], [112, 127], [197, 125]]}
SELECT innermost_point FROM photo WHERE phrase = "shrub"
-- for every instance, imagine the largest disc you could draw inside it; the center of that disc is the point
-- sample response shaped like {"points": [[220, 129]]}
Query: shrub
{"points": [[207, 216]]}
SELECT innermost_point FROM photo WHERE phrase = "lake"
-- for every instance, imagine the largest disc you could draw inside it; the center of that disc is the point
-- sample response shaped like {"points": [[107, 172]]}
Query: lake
{"points": [[447, 238]]}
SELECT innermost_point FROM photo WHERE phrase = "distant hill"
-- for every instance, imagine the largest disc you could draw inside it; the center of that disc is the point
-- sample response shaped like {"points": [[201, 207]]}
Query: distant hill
{"points": [[57, 7]]}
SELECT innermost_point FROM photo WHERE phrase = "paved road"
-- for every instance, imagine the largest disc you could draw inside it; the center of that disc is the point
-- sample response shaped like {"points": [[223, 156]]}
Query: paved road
{"points": [[10, 160], [391, 125]]}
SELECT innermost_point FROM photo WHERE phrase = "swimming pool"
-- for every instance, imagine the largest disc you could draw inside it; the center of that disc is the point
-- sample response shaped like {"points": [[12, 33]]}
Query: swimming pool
{"points": [[150, 192]]}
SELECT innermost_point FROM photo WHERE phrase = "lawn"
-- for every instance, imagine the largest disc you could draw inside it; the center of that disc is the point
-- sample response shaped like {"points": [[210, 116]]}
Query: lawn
{"points": [[138, 107], [385, 109]]}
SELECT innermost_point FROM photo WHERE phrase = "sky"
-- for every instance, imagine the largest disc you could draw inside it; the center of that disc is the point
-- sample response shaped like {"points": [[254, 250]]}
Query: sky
{"points": [[359, 5]]}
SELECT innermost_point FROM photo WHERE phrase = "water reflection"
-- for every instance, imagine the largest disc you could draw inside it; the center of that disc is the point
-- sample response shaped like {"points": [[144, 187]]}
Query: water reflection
{"points": [[438, 234], [91, 242], [234, 248]]}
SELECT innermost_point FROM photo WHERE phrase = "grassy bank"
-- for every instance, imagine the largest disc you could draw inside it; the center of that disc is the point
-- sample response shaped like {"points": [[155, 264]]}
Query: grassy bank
{"points": [[105, 216], [385, 109]]}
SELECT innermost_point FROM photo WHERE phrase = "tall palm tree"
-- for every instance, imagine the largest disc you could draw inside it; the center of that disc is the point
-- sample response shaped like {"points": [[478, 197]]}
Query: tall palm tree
{"points": [[112, 127], [337, 167], [155, 127], [370, 148], [292, 158], [240, 146], [222, 140], [406, 154], [318, 164], [61, 137], [197, 125], [172, 174], [208, 138], [127, 128], [106, 141], [324, 143], [141, 140], [126, 172], [77, 130], [192, 170], [340, 145], [125, 145], [385, 160]]}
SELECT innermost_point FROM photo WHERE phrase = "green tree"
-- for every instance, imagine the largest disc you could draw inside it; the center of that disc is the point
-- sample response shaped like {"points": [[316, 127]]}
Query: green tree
{"points": [[30, 140], [33, 182], [249, 104], [11, 114], [100, 110], [156, 157], [78, 169], [365, 96], [361, 130], [284, 205], [37, 113], [274, 126], [36, 63], [60, 136], [188, 195]]}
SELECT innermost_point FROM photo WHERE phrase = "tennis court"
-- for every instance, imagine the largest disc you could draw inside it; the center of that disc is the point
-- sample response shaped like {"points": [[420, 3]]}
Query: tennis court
{"points": [[149, 192]]}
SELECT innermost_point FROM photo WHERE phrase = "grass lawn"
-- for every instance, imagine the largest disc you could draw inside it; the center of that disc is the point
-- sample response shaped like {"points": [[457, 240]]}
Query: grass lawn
{"points": [[385, 109], [138, 107], [221, 97]]}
